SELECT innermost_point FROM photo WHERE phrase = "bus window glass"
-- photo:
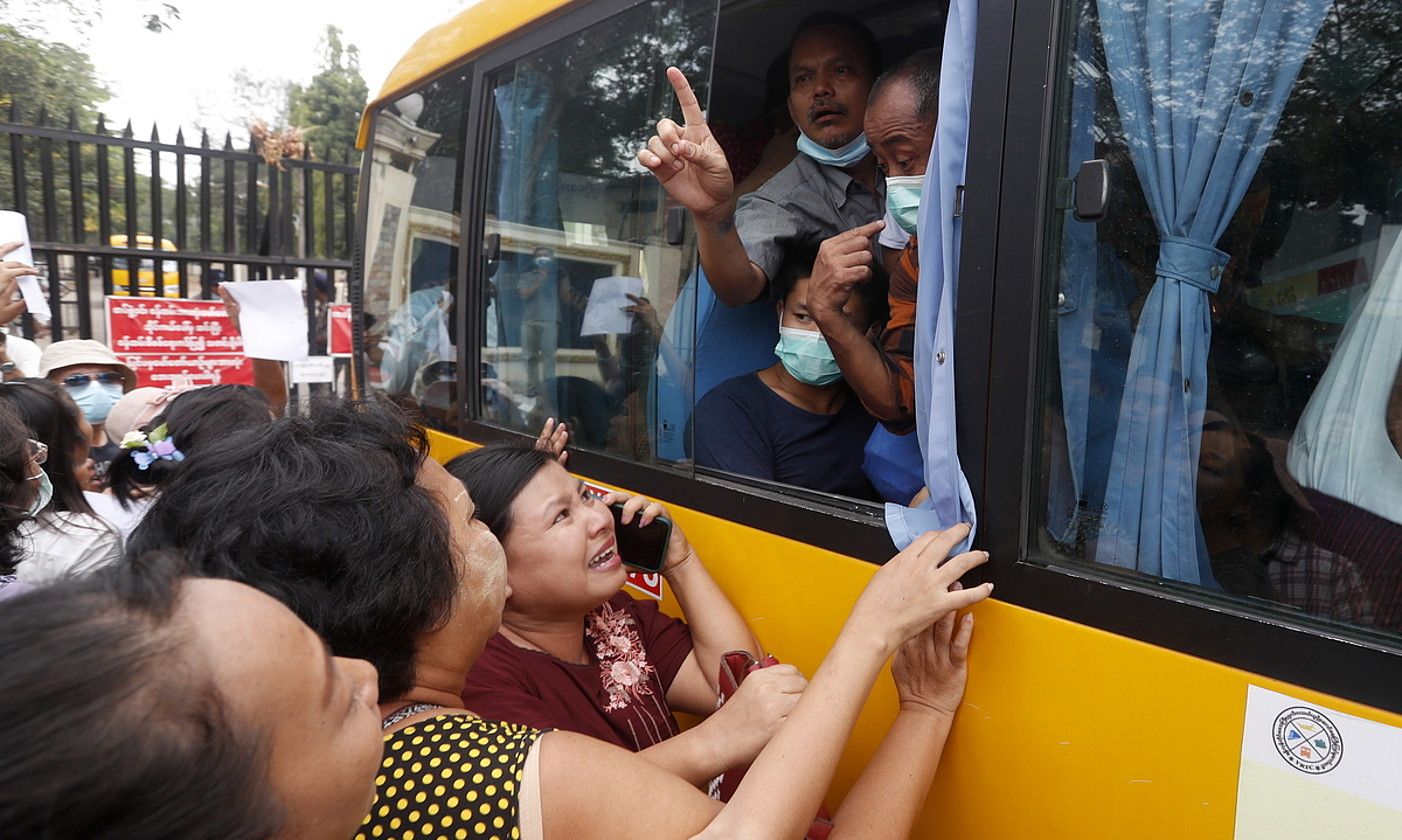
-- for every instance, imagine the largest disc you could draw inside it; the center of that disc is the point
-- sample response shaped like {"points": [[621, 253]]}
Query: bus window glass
{"points": [[411, 249], [1231, 419], [584, 276]]}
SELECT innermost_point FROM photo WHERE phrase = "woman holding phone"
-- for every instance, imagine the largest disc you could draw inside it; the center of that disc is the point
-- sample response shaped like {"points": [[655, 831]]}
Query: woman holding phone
{"points": [[577, 653]]}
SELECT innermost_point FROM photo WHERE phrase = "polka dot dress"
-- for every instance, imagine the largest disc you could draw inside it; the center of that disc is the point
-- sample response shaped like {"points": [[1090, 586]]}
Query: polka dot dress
{"points": [[452, 777]]}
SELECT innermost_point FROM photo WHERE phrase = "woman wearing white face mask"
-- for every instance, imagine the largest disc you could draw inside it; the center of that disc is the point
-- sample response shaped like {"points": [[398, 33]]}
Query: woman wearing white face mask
{"points": [[61, 535], [796, 421], [95, 378]]}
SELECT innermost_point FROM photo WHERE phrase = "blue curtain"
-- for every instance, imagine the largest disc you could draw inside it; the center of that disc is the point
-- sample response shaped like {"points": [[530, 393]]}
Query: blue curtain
{"points": [[1199, 86], [950, 501]]}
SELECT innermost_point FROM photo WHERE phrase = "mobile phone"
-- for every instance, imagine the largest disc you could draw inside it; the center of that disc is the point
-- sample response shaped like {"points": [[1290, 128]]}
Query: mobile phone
{"points": [[641, 548]]}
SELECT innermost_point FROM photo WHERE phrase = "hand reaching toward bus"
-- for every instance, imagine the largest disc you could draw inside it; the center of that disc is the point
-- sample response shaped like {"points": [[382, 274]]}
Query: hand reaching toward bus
{"points": [[554, 437], [10, 273], [688, 160], [760, 706], [914, 589], [931, 668], [843, 262]]}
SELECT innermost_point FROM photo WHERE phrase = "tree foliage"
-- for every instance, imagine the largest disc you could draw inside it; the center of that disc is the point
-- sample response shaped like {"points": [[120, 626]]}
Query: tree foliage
{"points": [[40, 74], [33, 15], [328, 108]]}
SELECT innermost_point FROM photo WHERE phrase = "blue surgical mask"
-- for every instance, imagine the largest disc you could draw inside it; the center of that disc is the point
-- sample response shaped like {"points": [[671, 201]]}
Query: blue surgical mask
{"points": [[46, 493], [903, 199], [842, 158], [96, 400], [807, 356]]}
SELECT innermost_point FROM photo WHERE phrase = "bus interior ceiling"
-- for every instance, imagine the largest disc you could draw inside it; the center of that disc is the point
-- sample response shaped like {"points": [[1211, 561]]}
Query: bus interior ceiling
{"points": [[752, 33]]}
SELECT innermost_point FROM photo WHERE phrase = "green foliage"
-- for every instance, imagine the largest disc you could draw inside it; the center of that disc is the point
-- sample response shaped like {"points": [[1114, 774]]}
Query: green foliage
{"points": [[328, 108], [39, 74]]}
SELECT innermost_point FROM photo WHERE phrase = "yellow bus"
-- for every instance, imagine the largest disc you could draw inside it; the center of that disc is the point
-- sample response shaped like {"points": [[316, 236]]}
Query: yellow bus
{"points": [[146, 269], [1155, 193]]}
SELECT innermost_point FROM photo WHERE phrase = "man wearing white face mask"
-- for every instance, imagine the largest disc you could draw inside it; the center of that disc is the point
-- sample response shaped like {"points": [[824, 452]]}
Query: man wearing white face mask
{"points": [[900, 125], [829, 187], [95, 378], [795, 421]]}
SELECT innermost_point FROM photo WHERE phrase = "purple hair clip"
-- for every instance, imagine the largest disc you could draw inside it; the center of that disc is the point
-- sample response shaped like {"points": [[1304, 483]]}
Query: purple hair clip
{"points": [[146, 448]]}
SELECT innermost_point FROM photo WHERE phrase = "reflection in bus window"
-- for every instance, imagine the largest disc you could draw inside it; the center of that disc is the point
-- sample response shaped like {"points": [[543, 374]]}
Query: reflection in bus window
{"points": [[1224, 408], [584, 275], [411, 250]]}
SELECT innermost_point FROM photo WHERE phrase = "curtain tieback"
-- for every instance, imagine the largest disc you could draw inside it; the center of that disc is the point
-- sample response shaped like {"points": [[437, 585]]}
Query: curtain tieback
{"points": [[1191, 262]]}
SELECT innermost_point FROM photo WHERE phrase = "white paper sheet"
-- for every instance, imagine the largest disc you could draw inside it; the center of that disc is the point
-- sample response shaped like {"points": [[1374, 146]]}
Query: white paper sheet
{"points": [[1309, 772], [314, 369], [604, 313], [272, 318], [13, 228]]}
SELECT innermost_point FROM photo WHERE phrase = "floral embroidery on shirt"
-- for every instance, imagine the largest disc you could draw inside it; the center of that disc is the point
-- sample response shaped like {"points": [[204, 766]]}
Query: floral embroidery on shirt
{"points": [[623, 665]]}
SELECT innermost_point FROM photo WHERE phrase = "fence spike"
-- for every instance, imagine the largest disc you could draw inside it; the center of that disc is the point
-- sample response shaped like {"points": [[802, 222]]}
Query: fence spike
{"points": [[72, 119], [204, 138], [101, 123], [179, 136], [127, 132], [155, 135], [14, 109], [43, 115], [228, 141]]}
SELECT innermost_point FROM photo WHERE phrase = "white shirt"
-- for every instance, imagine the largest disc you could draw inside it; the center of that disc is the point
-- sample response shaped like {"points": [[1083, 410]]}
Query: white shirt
{"points": [[125, 520], [63, 544], [1341, 445]]}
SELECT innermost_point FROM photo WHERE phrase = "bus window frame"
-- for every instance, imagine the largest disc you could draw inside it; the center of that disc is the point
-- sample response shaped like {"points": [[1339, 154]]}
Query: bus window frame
{"points": [[1016, 95]]}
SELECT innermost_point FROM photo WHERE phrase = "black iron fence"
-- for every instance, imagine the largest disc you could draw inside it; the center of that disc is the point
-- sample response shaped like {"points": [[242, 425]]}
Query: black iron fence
{"points": [[117, 215]]}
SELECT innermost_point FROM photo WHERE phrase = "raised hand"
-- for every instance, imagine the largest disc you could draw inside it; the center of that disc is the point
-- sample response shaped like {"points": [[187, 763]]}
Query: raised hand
{"points": [[554, 438], [231, 308], [687, 159], [914, 589], [679, 550], [10, 272], [843, 262]]}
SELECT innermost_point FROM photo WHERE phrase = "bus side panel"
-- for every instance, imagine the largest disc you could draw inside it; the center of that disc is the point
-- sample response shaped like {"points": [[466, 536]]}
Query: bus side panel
{"points": [[1066, 731]]}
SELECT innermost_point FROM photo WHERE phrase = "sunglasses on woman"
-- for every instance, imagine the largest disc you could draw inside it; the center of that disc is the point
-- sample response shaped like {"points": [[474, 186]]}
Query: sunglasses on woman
{"points": [[39, 451], [79, 380]]}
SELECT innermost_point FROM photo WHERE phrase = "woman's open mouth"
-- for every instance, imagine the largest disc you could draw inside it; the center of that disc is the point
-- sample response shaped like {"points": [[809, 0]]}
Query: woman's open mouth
{"points": [[605, 560]]}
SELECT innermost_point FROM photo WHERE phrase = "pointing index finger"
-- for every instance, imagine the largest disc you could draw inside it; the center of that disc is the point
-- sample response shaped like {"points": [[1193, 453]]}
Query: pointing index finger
{"points": [[691, 109]]}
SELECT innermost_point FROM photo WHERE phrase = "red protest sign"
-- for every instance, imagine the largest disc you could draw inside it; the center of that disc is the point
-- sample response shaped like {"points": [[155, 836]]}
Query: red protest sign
{"points": [[648, 584], [191, 371], [338, 329], [173, 341]]}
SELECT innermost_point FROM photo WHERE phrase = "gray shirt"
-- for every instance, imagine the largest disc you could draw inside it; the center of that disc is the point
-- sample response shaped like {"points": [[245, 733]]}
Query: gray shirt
{"points": [[804, 203]]}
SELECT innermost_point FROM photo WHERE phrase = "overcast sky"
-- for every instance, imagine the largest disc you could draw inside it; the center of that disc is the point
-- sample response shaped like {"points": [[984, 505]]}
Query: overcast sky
{"points": [[183, 77]]}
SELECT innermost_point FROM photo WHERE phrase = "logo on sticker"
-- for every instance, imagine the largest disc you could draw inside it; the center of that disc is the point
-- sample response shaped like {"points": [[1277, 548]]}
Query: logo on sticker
{"points": [[1307, 740]]}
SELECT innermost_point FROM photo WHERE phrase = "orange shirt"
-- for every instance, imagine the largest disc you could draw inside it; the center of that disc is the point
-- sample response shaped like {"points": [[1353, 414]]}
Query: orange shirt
{"points": [[896, 341]]}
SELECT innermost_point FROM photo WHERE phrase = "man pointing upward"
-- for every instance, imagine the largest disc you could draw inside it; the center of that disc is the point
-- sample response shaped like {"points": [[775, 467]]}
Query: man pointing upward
{"points": [[830, 187]]}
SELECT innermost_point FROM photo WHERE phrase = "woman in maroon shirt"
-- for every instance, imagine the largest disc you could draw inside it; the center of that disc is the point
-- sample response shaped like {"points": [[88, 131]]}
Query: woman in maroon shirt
{"points": [[575, 652]]}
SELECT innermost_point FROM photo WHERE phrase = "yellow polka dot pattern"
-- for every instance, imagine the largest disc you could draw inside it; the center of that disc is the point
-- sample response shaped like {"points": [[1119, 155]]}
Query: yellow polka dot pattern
{"points": [[451, 777]]}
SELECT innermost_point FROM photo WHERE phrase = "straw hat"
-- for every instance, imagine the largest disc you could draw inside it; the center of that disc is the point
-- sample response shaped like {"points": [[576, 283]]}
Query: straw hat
{"points": [[83, 351]]}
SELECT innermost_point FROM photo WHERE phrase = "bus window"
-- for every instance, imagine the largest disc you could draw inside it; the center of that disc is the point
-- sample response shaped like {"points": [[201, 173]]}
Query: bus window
{"points": [[585, 277], [411, 249], [1278, 479]]}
